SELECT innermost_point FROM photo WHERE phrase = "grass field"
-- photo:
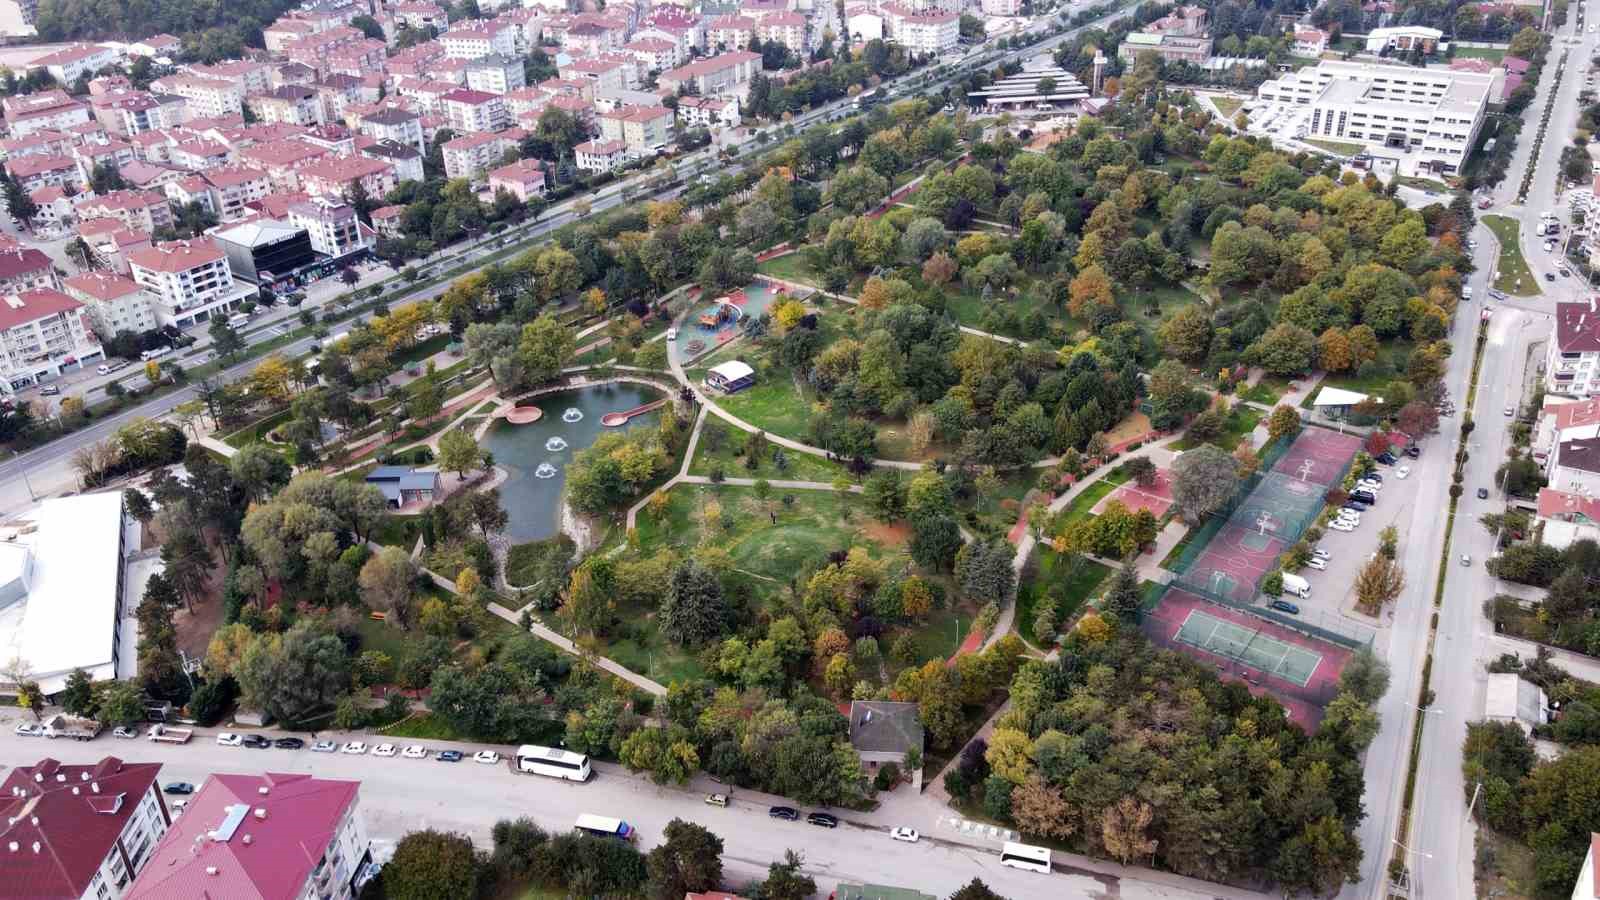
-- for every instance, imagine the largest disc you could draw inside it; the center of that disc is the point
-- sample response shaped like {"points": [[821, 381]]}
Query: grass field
{"points": [[1085, 501], [1512, 274], [773, 404], [1266, 391], [1423, 184], [1227, 105], [792, 267], [942, 634], [729, 454], [1241, 420], [398, 531], [1079, 579], [1492, 54], [1343, 148]]}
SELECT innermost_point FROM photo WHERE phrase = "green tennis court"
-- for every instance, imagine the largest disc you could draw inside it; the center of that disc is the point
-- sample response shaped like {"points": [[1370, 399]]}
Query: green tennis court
{"points": [[1249, 646]]}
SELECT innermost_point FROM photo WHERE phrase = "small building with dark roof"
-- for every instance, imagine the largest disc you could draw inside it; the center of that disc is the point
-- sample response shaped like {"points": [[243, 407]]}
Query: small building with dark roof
{"points": [[402, 485], [883, 731]]}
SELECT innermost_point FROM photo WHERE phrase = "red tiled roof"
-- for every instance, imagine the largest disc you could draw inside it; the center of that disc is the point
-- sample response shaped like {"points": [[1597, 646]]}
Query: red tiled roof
{"points": [[26, 261], [175, 256], [1577, 327], [60, 855], [1554, 504], [523, 170], [36, 164], [282, 153], [102, 285], [24, 307], [1573, 415], [388, 212], [300, 816], [468, 96]]}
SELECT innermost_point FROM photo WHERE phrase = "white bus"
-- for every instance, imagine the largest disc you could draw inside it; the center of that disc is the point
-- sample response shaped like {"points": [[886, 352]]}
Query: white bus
{"points": [[605, 826], [1024, 856], [553, 762]]}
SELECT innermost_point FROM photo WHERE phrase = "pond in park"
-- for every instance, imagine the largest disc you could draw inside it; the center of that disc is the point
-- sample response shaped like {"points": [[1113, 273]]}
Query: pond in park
{"points": [[535, 456]]}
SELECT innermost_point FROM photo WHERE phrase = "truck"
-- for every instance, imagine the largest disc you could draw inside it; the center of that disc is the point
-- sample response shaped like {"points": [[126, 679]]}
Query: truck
{"points": [[868, 99], [75, 727], [1294, 584], [166, 734]]}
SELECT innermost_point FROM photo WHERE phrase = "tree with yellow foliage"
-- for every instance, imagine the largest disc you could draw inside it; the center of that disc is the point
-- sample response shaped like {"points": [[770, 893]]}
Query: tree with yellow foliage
{"points": [[272, 378], [594, 301], [788, 312], [1093, 628]]}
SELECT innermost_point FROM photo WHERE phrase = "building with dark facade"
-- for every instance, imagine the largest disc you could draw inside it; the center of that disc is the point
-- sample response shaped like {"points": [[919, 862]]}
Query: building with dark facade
{"points": [[267, 253]]}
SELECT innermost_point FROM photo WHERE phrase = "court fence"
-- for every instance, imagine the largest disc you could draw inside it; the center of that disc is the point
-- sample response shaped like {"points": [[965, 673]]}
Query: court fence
{"points": [[1267, 496], [1165, 626]]}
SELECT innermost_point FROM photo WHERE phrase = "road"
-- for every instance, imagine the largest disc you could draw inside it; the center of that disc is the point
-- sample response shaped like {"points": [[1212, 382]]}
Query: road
{"points": [[1438, 847], [400, 795]]}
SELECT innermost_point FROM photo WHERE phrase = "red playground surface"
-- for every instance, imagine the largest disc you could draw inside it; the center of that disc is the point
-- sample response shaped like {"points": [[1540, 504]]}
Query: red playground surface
{"points": [[1304, 703], [1157, 497], [1325, 451], [1245, 556]]}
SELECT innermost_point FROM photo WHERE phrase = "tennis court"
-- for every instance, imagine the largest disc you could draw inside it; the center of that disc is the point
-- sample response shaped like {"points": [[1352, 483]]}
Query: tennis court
{"points": [[1250, 647], [1156, 497]]}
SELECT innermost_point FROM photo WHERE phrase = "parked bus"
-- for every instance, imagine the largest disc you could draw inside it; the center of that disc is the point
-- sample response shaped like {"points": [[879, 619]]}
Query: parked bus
{"points": [[1024, 856], [553, 762], [604, 826]]}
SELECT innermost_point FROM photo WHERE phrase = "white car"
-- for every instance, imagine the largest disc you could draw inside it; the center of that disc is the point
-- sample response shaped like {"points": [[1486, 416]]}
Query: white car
{"points": [[353, 748], [1319, 565], [415, 751], [229, 739], [1367, 484], [324, 747], [486, 756], [1511, 410], [1341, 525], [902, 833], [1322, 554], [28, 729], [124, 732], [1403, 472], [1354, 518], [672, 334], [383, 750]]}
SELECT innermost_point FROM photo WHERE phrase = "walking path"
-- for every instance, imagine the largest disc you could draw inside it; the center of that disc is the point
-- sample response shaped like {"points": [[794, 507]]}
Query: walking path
{"points": [[211, 443], [617, 669]]}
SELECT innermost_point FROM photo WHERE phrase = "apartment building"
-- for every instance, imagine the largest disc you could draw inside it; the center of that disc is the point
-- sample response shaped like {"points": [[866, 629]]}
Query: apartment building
{"points": [[386, 221], [730, 32], [251, 77], [469, 110], [1001, 7], [34, 171], [24, 269], [472, 155], [645, 130], [70, 63], [1428, 119], [1572, 360], [523, 179], [655, 54], [188, 281], [404, 159], [42, 334], [270, 837], [727, 73], [80, 832], [49, 110], [419, 15], [332, 226], [113, 303], [921, 31], [281, 160], [336, 176], [480, 39], [708, 112], [600, 73], [397, 125], [1170, 47], [291, 104], [235, 186], [135, 112], [495, 74], [207, 97], [600, 156], [142, 210]]}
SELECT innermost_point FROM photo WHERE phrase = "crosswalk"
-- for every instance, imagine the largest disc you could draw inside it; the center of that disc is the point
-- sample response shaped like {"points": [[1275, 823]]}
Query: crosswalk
{"points": [[978, 830]]}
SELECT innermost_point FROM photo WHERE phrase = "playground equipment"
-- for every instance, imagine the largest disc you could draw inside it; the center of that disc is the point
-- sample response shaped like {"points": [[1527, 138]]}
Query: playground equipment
{"points": [[724, 311]]}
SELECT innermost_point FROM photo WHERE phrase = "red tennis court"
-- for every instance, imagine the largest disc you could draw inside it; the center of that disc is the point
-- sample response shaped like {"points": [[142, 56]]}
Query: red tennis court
{"points": [[1157, 497], [1318, 455]]}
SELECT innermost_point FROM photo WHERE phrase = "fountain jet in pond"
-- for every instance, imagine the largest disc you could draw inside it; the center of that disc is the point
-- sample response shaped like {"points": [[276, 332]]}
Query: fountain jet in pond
{"points": [[573, 414], [555, 445], [545, 470]]}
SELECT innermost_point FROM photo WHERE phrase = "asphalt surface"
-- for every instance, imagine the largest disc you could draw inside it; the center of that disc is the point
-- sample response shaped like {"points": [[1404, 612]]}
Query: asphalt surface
{"points": [[1439, 845]]}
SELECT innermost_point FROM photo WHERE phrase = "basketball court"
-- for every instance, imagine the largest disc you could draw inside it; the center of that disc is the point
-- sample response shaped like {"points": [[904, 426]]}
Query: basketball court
{"points": [[1157, 497]]}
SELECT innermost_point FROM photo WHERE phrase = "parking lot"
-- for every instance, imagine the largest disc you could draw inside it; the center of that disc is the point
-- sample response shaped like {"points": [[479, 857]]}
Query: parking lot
{"points": [[1333, 590]]}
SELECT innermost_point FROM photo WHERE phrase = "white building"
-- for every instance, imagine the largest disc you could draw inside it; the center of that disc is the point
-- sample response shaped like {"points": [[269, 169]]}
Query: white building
{"points": [[600, 156], [113, 303], [523, 179], [61, 591], [1511, 699], [1587, 887], [479, 40], [69, 64], [188, 281], [469, 110], [42, 334], [727, 73], [1428, 118], [1403, 38], [495, 74], [394, 124], [333, 227], [929, 31], [1572, 360], [207, 97], [80, 831]]}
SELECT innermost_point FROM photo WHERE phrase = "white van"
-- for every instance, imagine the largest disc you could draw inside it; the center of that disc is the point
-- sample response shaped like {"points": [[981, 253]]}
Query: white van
{"points": [[1294, 584], [238, 320], [154, 354]]}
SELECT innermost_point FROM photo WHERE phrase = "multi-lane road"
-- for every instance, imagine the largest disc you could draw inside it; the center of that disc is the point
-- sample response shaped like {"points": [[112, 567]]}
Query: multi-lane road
{"points": [[1438, 847]]}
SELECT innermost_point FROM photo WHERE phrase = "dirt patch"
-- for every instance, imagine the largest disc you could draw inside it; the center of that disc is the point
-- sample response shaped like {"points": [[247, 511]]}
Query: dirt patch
{"points": [[1129, 428], [886, 536], [195, 630]]}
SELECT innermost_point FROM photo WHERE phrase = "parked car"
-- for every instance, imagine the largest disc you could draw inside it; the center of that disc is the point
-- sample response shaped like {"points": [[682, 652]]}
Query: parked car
{"points": [[29, 729], [384, 750], [1284, 606], [672, 334], [1483, 493], [1414, 451], [1318, 564], [822, 820], [354, 748], [449, 756], [324, 747], [1341, 525], [1511, 410], [179, 787], [1387, 459], [288, 743], [487, 757], [50, 390], [123, 731], [1320, 553], [787, 813], [415, 751], [902, 833], [1466, 559], [1403, 472], [256, 742], [1367, 497], [717, 800], [229, 739]]}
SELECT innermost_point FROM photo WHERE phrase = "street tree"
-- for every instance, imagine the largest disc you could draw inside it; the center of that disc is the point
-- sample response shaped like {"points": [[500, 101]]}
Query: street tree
{"points": [[689, 861], [1379, 582], [431, 864]]}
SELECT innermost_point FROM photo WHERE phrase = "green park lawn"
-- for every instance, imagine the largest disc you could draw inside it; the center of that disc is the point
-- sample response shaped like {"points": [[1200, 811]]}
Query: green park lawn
{"points": [[1492, 54], [1085, 501], [1266, 391], [1343, 148], [774, 404], [1080, 579], [1227, 105], [729, 456], [1241, 420], [1511, 273], [792, 267]]}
